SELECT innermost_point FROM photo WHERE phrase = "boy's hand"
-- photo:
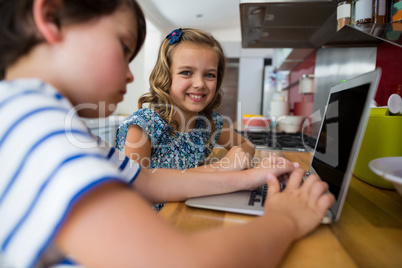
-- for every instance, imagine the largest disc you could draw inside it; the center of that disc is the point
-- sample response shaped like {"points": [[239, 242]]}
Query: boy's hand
{"points": [[304, 203]]}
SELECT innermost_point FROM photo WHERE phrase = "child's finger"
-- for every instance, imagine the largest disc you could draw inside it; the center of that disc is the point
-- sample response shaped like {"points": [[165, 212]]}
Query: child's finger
{"points": [[325, 201], [310, 181], [288, 168], [317, 189], [273, 184], [284, 167], [295, 179]]}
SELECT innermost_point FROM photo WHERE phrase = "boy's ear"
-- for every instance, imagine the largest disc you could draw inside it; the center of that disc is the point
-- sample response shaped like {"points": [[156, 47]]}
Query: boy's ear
{"points": [[44, 14]]}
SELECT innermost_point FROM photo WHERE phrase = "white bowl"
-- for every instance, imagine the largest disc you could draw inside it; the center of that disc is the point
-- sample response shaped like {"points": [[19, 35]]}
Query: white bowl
{"points": [[290, 123], [390, 168]]}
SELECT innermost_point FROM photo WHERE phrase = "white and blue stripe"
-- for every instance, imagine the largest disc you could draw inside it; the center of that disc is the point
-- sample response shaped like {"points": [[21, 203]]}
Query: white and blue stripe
{"points": [[45, 166]]}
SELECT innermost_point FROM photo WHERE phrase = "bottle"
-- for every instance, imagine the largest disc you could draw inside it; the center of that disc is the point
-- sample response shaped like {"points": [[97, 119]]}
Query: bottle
{"points": [[396, 11], [343, 13], [353, 13], [380, 11], [395, 17], [364, 11]]}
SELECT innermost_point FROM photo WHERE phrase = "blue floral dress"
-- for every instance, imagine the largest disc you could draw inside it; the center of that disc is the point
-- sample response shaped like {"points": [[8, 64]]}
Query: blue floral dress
{"points": [[182, 150]]}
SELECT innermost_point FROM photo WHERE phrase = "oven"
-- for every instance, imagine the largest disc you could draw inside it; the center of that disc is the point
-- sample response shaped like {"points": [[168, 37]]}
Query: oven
{"points": [[274, 140]]}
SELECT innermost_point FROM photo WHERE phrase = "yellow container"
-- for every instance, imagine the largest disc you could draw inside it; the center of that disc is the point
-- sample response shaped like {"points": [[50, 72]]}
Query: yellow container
{"points": [[383, 137]]}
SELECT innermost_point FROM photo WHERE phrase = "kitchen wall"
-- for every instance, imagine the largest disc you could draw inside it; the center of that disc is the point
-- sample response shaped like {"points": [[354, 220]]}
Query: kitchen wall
{"points": [[251, 69], [332, 65]]}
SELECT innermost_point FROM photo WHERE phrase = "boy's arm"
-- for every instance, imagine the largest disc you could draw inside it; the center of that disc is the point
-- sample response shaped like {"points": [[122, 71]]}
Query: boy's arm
{"points": [[113, 227]]}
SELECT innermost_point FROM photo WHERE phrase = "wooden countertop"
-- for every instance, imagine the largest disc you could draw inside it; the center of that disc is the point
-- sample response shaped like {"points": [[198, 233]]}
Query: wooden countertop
{"points": [[368, 234]]}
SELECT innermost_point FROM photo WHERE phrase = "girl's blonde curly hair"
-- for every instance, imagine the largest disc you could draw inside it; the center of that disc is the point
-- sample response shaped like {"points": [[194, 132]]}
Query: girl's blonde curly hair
{"points": [[160, 79]]}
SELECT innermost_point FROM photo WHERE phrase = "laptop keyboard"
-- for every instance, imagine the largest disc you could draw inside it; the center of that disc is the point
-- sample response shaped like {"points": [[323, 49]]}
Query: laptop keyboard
{"points": [[258, 196]]}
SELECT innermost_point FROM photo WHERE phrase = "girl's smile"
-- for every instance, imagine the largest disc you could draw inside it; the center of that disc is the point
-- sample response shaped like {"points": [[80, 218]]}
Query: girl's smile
{"points": [[196, 97]]}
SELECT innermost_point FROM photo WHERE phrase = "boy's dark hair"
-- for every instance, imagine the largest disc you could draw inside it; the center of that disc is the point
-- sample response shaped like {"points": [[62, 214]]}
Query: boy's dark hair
{"points": [[18, 34]]}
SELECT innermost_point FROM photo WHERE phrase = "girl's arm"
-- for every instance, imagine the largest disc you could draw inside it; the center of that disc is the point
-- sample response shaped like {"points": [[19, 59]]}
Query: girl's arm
{"points": [[164, 185], [239, 156], [169, 185], [132, 235], [240, 152], [138, 146], [230, 138]]}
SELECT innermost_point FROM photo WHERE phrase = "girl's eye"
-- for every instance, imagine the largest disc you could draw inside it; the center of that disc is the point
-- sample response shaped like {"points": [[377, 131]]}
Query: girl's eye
{"points": [[185, 73], [210, 75]]}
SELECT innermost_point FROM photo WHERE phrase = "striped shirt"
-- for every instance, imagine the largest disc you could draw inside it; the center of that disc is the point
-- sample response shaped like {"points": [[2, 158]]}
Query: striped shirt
{"points": [[48, 158]]}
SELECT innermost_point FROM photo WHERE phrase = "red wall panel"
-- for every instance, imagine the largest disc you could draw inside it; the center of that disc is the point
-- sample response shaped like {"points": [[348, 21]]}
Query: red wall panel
{"points": [[389, 58], [305, 67]]}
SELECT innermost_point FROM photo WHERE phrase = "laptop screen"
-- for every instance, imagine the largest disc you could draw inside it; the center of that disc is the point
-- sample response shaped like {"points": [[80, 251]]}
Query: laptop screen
{"points": [[341, 133], [337, 135]]}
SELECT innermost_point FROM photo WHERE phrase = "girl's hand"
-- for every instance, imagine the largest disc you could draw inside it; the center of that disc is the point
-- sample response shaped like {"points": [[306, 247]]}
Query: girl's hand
{"points": [[236, 159], [278, 166], [303, 203]]}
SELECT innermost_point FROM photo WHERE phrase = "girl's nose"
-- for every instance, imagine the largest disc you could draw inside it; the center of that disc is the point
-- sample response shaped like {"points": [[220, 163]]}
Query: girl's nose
{"points": [[198, 82]]}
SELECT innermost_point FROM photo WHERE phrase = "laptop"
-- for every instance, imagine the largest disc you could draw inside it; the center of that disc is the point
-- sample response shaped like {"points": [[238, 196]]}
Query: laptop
{"points": [[338, 141]]}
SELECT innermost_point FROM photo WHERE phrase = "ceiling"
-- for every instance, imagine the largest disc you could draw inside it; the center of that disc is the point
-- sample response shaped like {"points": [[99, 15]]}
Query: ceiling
{"points": [[203, 14]]}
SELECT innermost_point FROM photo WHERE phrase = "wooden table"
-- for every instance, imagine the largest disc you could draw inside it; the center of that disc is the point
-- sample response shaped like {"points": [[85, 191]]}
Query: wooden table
{"points": [[368, 234]]}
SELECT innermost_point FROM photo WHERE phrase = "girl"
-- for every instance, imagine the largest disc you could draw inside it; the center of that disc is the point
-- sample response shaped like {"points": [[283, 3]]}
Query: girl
{"points": [[63, 196], [180, 128]]}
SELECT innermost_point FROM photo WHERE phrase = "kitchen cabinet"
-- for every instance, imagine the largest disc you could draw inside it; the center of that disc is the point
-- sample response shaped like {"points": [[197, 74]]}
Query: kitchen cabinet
{"points": [[350, 36], [287, 23], [366, 35]]}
